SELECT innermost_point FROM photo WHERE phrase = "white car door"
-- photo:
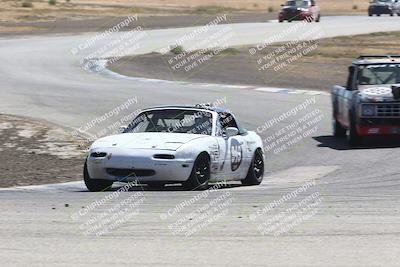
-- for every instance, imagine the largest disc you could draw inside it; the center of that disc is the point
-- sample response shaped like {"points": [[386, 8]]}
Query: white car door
{"points": [[233, 153]]}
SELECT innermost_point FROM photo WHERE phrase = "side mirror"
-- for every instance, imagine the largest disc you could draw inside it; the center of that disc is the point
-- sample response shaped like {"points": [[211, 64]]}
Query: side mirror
{"points": [[350, 79], [122, 128], [231, 131]]}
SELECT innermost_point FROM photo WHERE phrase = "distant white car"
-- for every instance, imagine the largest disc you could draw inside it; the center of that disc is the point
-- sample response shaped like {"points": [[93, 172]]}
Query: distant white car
{"points": [[192, 145]]}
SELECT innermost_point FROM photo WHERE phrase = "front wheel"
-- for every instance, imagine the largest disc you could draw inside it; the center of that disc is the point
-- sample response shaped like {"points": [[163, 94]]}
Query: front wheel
{"points": [[95, 185], [338, 130], [255, 174], [200, 174], [354, 138]]}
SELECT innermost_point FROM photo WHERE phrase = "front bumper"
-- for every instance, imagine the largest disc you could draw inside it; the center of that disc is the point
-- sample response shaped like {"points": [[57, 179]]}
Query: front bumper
{"points": [[379, 126], [299, 15], [135, 165], [380, 10]]}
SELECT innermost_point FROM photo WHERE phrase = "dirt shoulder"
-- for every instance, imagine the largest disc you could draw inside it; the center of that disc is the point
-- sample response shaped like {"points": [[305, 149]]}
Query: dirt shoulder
{"points": [[50, 10], [100, 24], [34, 153], [324, 64]]}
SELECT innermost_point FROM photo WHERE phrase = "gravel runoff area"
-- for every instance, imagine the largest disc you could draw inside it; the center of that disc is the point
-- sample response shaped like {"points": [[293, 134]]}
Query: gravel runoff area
{"points": [[32, 152]]}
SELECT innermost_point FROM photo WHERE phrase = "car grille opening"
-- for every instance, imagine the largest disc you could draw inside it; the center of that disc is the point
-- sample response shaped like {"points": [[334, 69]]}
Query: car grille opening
{"points": [[163, 156], [98, 154], [388, 110], [130, 172]]}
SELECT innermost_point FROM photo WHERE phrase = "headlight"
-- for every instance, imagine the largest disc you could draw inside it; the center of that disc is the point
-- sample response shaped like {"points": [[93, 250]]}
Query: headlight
{"points": [[368, 110]]}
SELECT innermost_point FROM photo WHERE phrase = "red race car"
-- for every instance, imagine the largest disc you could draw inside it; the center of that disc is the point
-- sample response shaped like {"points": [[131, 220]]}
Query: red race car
{"points": [[300, 10]]}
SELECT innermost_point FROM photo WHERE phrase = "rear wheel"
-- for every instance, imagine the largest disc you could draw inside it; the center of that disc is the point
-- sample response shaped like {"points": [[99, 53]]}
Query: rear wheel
{"points": [[398, 14], [392, 14], [200, 174], [370, 14], [378, 15], [95, 185], [318, 19], [255, 174]]}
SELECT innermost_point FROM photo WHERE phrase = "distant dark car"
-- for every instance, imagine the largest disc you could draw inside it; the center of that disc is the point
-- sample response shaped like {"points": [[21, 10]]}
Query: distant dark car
{"points": [[379, 7], [300, 10]]}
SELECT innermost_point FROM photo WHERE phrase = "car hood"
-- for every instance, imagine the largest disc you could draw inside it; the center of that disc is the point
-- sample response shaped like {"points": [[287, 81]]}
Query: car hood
{"points": [[156, 141], [373, 93]]}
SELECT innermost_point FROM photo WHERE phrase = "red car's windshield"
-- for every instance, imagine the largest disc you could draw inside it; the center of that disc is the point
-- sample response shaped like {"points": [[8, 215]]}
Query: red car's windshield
{"points": [[297, 3]]}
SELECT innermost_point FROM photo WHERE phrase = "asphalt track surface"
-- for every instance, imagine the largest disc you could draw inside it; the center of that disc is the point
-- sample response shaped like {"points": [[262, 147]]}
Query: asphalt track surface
{"points": [[357, 223]]}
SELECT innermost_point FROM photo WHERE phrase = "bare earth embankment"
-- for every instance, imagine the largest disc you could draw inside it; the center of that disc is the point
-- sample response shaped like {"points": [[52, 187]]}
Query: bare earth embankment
{"points": [[34, 153], [319, 69]]}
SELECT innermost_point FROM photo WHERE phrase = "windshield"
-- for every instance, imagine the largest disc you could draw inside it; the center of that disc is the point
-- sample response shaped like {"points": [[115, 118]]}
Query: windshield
{"points": [[379, 74], [173, 121], [297, 3]]}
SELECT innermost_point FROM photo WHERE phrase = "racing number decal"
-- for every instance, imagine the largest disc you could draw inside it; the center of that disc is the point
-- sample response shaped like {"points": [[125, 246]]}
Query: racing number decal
{"points": [[236, 155]]}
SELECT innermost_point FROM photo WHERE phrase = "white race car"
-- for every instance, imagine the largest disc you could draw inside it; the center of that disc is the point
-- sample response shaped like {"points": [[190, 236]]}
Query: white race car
{"points": [[192, 145]]}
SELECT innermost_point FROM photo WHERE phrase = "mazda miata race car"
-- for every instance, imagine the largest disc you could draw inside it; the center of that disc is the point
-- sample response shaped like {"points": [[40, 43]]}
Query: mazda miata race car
{"points": [[191, 145]]}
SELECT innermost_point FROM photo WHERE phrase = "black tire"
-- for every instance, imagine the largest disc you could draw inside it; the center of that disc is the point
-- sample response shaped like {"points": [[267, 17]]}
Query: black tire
{"points": [[95, 185], [280, 21], [338, 130], [255, 174], [200, 174], [353, 137], [318, 19], [378, 15], [398, 14], [156, 185], [370, 14]]}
